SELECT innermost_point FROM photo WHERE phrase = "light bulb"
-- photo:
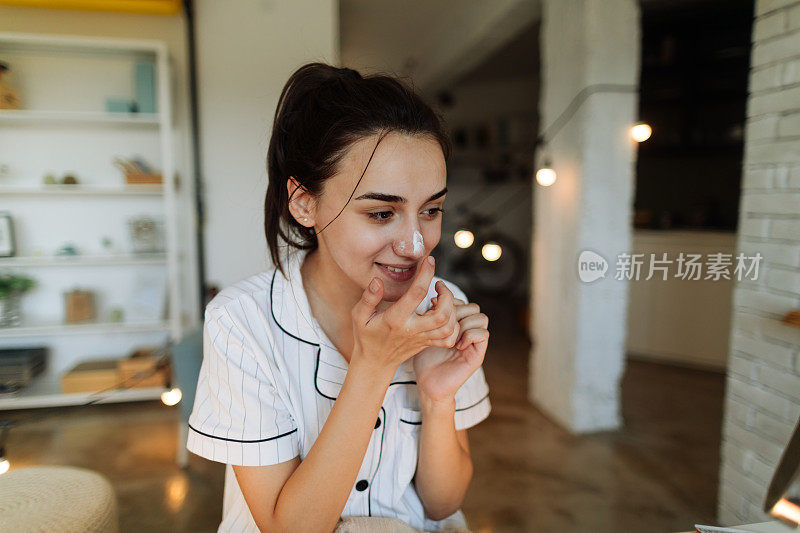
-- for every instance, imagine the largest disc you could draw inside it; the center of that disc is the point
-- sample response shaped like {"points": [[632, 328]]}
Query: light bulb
{"points": [[641, 132], [464, 238], [171, 397], [4, 466], [546, 176], [491, 251]]}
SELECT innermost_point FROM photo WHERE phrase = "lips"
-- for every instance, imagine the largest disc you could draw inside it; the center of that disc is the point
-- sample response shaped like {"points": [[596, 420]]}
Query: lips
{"points": [[403, 275]]}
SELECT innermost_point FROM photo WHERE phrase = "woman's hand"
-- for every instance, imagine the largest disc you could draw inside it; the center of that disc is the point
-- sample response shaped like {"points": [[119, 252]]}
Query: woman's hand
{"points": [[442, 370], [384, 339]]}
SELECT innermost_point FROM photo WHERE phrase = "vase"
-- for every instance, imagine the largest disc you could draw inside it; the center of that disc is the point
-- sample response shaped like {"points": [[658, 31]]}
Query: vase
{"points": [[10, 310]]}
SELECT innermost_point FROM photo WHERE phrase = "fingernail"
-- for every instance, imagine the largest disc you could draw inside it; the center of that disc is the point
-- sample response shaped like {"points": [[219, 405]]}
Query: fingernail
{"points": [[431, 261], [373, 285]]}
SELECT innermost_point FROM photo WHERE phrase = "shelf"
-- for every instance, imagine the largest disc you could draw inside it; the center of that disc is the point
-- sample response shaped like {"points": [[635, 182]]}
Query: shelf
{"points": [[32, 116], [80, 329], [45, 391], [83, 190], [57, 44], [68, 80], [84, 260]]}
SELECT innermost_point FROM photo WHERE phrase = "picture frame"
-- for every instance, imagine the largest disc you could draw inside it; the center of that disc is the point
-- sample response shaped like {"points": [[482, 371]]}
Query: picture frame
{"points": [[7, 242]]}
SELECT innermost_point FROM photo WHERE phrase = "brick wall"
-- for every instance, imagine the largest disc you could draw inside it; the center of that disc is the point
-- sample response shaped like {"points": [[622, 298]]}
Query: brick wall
{"points": [[763, 385]]}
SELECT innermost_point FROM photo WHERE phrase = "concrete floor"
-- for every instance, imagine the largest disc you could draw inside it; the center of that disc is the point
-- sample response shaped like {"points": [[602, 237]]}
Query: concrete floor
{"points": [[659, 473]]}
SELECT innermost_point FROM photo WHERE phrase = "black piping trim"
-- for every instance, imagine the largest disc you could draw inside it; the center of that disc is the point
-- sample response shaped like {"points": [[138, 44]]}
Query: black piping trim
{"points": [[272, 312], [316, 372], [245, 441], [372, 479], [474, 404], [410, 422]]}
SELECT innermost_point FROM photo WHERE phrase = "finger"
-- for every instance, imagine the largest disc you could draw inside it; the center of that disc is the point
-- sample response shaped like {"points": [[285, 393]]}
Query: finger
{"points": [[478, 320], [450, 332], [445, 295], [408, 303], [458, 301], [443, 313], [370, 298], [472, 336], [466, 310]]}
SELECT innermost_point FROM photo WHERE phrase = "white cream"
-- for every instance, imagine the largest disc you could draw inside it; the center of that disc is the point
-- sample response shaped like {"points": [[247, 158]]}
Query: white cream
{"points": [[419, 245]]}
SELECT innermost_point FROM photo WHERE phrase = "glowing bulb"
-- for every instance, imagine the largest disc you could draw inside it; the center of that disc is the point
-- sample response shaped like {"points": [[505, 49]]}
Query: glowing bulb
{"points": [[786, 509], [4, 466], [464, 238], [171, 397], [491, 251], [641, 132], [546, 176]]}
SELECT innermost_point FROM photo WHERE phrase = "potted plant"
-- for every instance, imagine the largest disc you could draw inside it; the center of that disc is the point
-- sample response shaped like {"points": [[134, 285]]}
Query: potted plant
{"points": [[12, 287]]}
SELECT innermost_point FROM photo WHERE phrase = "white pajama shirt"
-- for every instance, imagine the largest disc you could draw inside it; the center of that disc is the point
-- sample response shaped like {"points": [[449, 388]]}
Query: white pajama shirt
{"points": [[268, 381]]}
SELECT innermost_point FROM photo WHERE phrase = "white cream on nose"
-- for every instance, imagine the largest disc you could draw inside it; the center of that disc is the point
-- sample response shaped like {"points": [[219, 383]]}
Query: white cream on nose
{"points": [[419, 244]]}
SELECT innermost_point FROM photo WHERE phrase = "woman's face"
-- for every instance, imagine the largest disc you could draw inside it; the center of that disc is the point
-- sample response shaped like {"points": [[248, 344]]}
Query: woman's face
{"points": [[394, 217]]}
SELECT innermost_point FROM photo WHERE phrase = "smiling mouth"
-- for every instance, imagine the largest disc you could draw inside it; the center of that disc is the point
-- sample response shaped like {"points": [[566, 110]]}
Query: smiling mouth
{"points": [[396, 269]]}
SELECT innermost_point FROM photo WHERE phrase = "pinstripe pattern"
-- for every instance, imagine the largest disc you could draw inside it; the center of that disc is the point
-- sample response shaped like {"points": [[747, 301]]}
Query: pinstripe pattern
{"points": [[268, 381]]}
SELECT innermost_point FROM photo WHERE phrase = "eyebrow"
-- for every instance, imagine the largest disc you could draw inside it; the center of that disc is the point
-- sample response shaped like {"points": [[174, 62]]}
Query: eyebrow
{"points": [[393, 198]]}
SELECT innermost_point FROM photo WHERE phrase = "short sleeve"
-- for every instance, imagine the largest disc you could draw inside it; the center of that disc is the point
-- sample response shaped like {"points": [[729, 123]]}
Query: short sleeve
{"points": [[472, 398], [238, 416]]}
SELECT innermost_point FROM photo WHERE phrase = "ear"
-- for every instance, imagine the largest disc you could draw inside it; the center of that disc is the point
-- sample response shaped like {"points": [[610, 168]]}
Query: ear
{"points": [[300, 203]]}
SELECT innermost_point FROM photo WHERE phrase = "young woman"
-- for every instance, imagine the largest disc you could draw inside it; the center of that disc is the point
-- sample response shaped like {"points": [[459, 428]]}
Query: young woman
{"points": [[341, 382]]}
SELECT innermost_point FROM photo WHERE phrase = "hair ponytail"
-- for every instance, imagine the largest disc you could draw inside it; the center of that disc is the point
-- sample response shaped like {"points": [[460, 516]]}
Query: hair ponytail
{"points": [[321, 112]]}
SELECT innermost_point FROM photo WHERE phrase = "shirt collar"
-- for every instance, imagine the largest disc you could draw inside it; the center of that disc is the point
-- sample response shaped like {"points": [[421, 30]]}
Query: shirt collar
{"points": [[290, 307], [292, 313]]}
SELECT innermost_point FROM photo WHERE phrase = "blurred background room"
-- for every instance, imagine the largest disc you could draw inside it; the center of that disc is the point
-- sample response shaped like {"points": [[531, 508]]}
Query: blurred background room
{"points": [[599, 145]]}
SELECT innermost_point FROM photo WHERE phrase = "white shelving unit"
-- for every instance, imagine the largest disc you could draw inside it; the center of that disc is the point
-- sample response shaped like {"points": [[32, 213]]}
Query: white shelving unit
{"points": [[83, 190], [63, 82]]}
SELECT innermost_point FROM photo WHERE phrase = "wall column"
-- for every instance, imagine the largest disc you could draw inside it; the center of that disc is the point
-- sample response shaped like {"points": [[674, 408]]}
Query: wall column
{"points": [[579, 328]]}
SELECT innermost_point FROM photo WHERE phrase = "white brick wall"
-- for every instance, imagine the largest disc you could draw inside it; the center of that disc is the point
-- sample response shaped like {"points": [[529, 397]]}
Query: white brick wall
{"points": [[763, 384]]}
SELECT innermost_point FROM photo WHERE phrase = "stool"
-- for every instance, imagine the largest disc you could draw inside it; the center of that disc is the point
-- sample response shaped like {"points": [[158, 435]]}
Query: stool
{"points": [[57, 498]]}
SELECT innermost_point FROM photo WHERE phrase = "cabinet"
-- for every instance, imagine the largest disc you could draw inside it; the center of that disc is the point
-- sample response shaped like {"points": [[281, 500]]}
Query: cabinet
{"points": [[64, 128]]}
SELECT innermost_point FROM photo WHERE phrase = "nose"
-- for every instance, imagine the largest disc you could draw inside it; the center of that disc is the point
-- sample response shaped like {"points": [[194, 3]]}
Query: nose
{"points": [[410, 244]]}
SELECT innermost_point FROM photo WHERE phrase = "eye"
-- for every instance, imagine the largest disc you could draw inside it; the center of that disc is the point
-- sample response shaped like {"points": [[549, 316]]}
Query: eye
{"points": [[384, 216], [379, 215]]}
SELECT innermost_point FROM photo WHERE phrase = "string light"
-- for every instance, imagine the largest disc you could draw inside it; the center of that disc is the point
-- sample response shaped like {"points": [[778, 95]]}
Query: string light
{"points": [[640, 132], [171, 397], [546, 176], [491, 251], [464, 238]]}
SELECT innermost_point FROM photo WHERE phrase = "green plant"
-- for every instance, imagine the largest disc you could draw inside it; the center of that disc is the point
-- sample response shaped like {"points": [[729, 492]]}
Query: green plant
{"points": [[11, 283]]}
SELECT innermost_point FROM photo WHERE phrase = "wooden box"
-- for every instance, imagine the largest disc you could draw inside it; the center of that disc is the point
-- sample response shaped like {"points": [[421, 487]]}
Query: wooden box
{"points": [[131, 367], [143, 179], [90, 376], [78, 306]]}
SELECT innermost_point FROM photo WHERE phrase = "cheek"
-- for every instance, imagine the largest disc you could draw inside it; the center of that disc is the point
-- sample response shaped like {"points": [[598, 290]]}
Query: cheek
{"points": [[431, 237], [355, 245]]}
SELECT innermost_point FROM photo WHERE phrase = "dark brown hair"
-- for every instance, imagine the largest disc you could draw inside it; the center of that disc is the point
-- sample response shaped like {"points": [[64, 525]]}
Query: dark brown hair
{"points": [[321, 112]]}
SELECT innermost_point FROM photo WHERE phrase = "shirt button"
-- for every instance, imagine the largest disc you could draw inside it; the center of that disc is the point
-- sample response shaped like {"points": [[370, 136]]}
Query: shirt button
{"points": [[362, 485], [378, 423]]}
